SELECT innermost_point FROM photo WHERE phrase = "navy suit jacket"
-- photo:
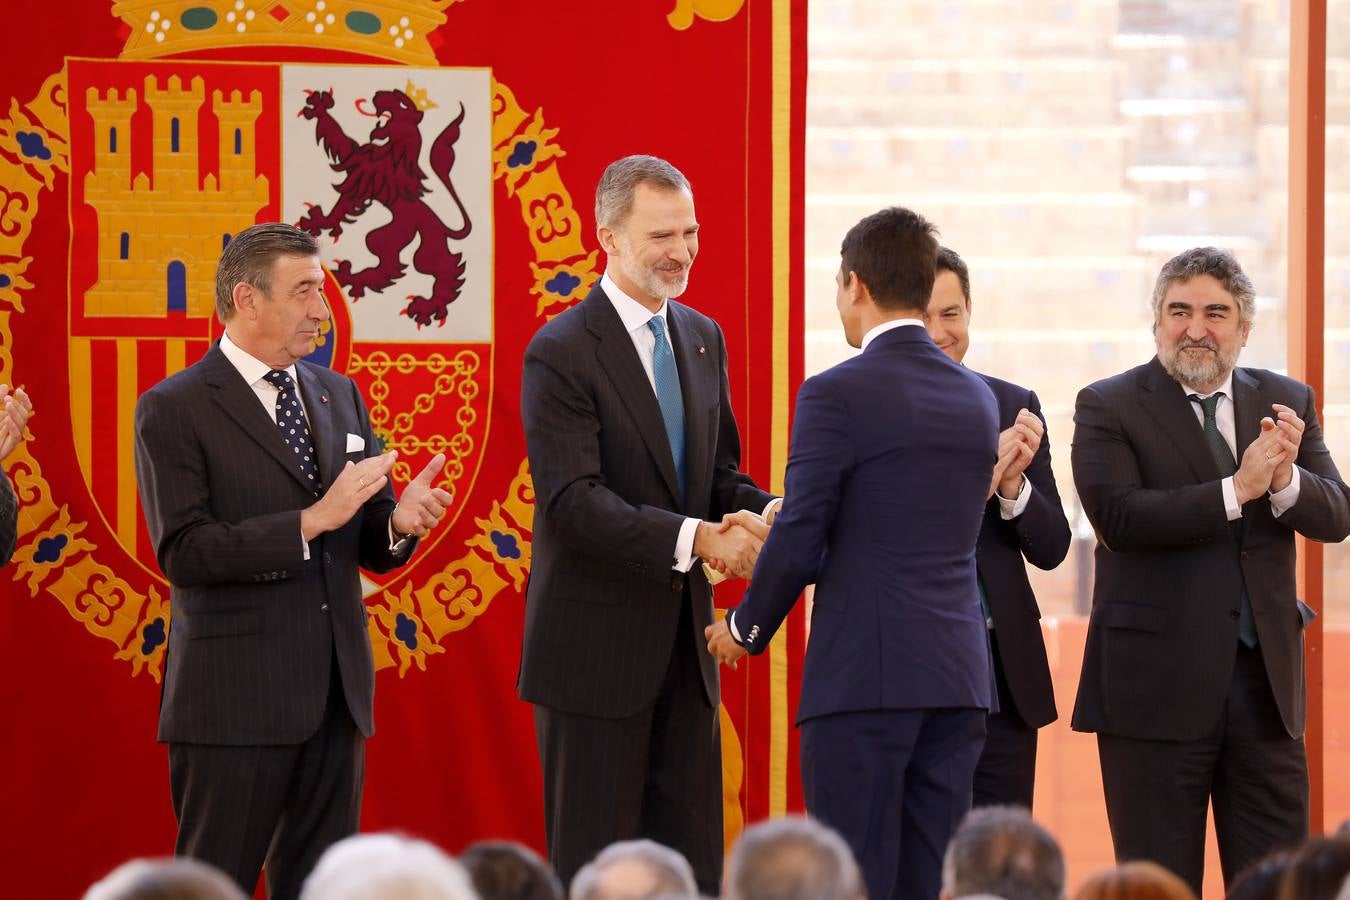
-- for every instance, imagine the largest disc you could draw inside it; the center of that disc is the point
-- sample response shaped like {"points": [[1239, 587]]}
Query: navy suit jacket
{"points": [[1040, 536], [887, 477]]}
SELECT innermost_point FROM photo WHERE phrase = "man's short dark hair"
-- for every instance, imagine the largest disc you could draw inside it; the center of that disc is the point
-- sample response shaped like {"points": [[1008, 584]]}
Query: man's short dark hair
{"points": [[894, 253], [792, 858], [505, 870], [250, 255], [1000, 850], [948, 260]]}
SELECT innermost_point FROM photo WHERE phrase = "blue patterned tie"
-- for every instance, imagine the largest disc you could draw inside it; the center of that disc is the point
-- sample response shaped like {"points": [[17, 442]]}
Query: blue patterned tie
{"points": [[1223, 457], [668, 394], [294, 427]]}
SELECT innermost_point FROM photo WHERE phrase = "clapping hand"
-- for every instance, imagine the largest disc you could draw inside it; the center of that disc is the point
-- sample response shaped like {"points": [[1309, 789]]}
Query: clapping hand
{"points": [[421, 506], [15, 408], [1017, 446]]}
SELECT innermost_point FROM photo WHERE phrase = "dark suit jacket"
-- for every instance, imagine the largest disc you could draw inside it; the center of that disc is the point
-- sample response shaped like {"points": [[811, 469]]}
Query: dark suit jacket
{"points": [[9, 520], [1163, 634], [255, 627], [1040, 535], [886, 482], [603, 603]]}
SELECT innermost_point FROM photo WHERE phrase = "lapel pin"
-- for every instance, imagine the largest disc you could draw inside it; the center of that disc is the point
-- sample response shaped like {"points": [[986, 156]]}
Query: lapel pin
{"points": [[323, 398], [700, 351]]}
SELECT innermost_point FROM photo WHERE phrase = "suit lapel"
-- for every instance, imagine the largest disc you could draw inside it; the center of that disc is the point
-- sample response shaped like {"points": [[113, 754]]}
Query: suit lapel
{"points": [[327, 443], [618, 357], [1248, 408], [1165, 400], [236, 399], [698, 384]]}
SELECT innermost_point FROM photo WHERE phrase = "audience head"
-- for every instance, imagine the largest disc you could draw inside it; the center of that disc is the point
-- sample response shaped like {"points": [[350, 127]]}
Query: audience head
{"points": [[948, 313], [1262, 880], [165, 879], [1137, 880], [503, 870], [1317, 871], [1203, 307], [386, 867], [887, 266], [792, 858], [1003, 852], [635, 870]]}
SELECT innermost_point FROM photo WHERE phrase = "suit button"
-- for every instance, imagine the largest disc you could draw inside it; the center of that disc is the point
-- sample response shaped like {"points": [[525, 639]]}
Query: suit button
{"points": [[1242, 555], [327, 560], [1234, 614], [323, 607]]}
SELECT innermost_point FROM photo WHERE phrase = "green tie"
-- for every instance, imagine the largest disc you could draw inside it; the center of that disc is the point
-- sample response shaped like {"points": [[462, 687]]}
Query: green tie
{"points": [[1223, 456]]}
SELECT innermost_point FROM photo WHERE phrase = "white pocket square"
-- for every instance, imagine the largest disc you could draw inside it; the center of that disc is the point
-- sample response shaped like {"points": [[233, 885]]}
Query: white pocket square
{"points": [[355, 442]]}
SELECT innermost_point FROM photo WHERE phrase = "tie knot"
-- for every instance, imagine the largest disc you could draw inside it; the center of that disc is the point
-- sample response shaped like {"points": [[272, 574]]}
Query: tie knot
{"points": [[657, 325], [279, 379], [1209, 404]]}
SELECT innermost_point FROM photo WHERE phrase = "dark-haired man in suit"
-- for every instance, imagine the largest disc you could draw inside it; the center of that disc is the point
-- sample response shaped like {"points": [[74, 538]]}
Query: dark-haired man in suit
{"points": [[262, 497], [1024, 522], [635, 458], [1196, 474], [888, 473]]}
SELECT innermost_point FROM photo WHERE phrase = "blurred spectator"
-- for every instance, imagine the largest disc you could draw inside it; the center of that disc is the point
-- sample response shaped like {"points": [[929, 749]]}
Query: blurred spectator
{"points": [[1262, 881], [1317, 871], [792, 858], [1000, 851], [1139, 880], [165, 879], [386, 867], [635, 870], [503, 870]]}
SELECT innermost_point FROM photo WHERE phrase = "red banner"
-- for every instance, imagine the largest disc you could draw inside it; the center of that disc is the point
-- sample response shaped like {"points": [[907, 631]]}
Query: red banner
{"points": [[141, 133]]}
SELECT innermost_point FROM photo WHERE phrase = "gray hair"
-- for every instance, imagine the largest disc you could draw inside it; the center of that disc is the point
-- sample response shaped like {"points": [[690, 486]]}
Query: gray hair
{"points": [[1001, 850], [792, 858], [250, 255], [669, 872], [1218, 264], [614, 193], [386, 867], [165, 879]]}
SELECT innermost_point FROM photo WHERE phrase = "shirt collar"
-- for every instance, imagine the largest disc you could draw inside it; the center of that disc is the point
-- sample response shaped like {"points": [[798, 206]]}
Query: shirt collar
{"points": [[1226, 389], [885, 327], [249, 366], [633, 313]]}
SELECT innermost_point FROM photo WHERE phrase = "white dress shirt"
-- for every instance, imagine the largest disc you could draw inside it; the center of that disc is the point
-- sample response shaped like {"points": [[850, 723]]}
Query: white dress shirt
{"points": [[635, 317], [1225, 419]]}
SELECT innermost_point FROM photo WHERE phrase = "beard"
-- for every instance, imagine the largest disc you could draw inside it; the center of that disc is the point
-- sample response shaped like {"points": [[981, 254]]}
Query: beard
{"points": [[1199, 370], [649, 278]]}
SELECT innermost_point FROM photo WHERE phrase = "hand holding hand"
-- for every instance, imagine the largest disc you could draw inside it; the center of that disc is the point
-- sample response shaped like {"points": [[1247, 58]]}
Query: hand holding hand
{"points": [[722, 645], [729, 546], [15, 409], [421, 506], [1291, 428], [357, 483]]}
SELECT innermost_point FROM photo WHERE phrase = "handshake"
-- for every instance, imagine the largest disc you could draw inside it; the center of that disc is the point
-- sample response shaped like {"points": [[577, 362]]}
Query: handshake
{"points": [[729, 548]]}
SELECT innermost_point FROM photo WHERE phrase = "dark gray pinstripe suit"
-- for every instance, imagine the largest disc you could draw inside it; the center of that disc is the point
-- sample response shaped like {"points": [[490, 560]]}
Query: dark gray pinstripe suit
{"points": [[9, 520], [614, 657], [266, 650]]}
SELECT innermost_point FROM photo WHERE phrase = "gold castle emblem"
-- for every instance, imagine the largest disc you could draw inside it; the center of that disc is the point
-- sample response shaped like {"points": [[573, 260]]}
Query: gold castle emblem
{"points": [[389, 29], [142, 253]]}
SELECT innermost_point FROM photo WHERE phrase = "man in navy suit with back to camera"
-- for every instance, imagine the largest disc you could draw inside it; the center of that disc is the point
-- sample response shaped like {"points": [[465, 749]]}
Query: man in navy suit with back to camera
{"points": [[889, 471], [1023, 522]]}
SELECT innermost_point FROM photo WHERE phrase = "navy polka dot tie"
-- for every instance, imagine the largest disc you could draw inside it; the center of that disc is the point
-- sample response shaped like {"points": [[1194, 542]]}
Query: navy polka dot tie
{"points": [[294, 427]]}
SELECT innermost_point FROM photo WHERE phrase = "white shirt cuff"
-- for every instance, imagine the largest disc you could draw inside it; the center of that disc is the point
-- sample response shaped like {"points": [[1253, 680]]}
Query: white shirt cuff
{"points": [[1281, 501], [684, 546], [304, 544], [395, 543], [1011, 509], [772, 504], [731, 626], [1230, 501]]}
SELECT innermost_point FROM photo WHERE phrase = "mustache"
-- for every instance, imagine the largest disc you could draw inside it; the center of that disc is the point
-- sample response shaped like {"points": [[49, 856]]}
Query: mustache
{"points": [[1207, 343]]}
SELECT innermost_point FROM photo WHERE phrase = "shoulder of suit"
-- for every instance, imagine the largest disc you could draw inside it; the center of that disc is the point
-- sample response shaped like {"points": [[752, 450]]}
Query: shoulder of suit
{"points": [[1274, 381], [999, 386], [570, 321], [1121, 381], [182, 381]]}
